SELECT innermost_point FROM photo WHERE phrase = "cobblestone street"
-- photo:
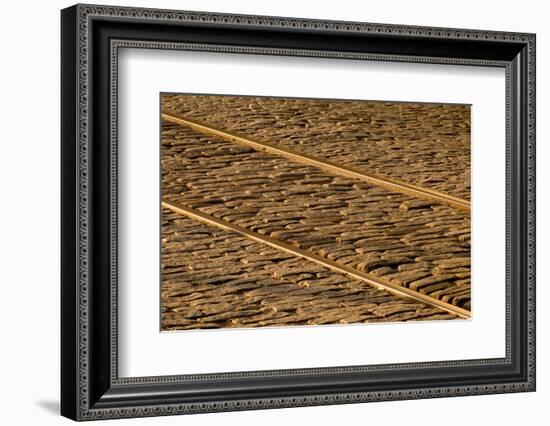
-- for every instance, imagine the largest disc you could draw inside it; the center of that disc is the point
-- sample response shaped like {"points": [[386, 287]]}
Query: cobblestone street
{"points": [[423, 144], [215, 278]]}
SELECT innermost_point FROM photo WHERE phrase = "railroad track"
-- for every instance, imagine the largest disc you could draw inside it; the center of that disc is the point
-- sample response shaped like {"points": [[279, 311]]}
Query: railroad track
{"points": [[425, 145], [213, 277], [391, 184], [374, 281], [200, 205]]}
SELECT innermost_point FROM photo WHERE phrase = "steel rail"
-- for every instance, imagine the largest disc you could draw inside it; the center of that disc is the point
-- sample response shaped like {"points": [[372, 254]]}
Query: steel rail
{"points": [[388, 183], [372, 280]]}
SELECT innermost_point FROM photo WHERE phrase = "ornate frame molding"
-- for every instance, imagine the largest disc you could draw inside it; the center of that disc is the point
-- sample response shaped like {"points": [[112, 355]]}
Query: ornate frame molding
{"points": [[90, 400]]}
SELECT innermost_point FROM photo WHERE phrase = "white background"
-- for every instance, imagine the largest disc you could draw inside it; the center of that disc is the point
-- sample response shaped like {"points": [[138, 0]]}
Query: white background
{"points": [[29, 229], [146, 352]]}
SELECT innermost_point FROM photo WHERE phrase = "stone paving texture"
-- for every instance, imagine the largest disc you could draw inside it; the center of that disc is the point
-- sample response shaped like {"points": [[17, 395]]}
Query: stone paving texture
{"points": [[422, 245], [215, 279], [423, 144]]}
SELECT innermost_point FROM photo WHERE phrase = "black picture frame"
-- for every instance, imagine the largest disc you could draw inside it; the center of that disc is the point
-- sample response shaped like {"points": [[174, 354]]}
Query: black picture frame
{"points": [[90, 386]]}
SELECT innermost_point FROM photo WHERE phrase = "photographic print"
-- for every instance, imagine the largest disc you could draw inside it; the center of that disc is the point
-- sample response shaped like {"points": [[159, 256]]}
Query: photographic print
{"points": [[307, 181], [296, 212]]}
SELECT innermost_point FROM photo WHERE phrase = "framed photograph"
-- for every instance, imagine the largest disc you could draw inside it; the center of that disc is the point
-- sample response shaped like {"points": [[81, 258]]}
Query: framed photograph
{"points": [[263, 212]]}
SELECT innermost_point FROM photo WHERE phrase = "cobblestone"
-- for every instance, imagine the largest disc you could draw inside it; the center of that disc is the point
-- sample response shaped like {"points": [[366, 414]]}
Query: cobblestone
{"points": [[423, 144], [354, 223], [213, 278]]}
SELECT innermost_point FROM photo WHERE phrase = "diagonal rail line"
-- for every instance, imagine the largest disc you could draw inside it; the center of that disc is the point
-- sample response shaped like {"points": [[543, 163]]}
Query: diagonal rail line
{"points": [[374, 281], [388, 183]]}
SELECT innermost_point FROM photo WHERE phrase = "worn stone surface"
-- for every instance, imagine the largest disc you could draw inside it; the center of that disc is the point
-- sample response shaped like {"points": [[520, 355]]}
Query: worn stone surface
{"points": [[418, 244], [422, 144], [213, 278], [351, 222]]}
